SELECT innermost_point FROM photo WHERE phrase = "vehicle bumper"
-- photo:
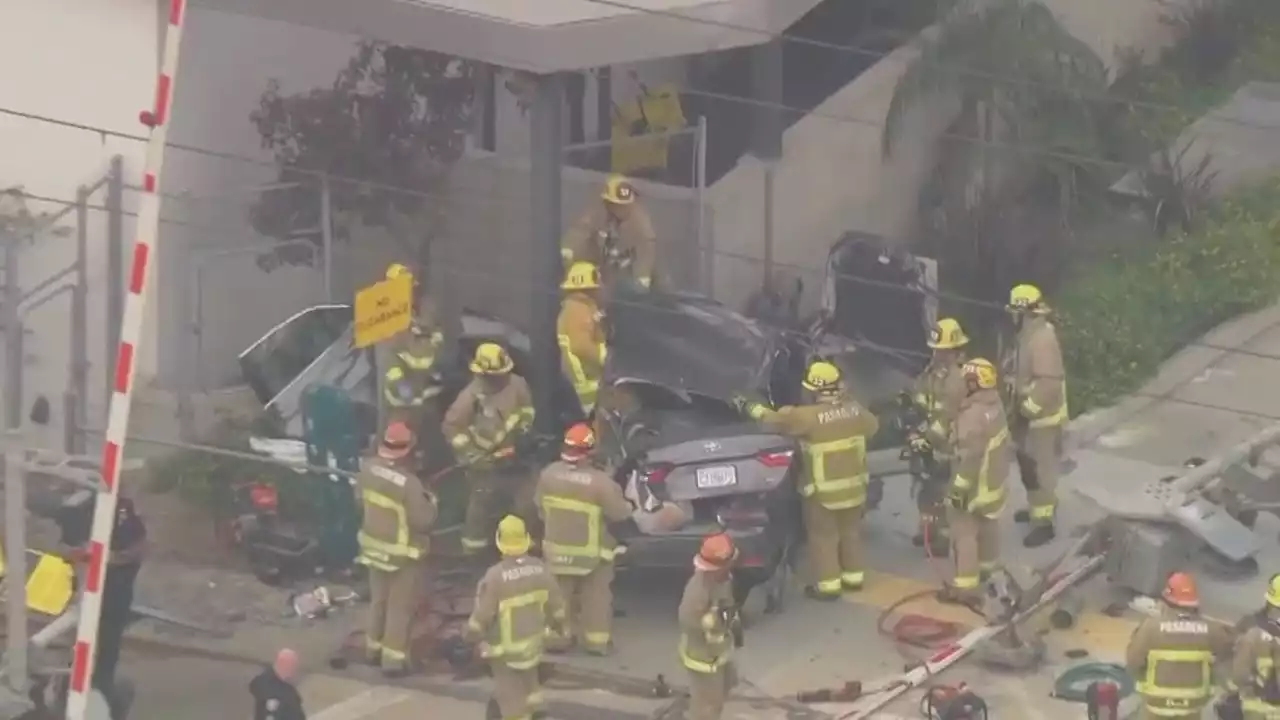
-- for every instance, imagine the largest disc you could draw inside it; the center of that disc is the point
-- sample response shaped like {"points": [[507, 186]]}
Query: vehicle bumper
{"points": [[757, 548]]}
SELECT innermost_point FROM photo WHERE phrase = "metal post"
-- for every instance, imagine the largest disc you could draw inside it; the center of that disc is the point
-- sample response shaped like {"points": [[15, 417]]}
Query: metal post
{"points": [[115, 269], [79, 327], [766, 83], [12, 333], [15, 544], [767, 269], [547, 141], [705, 242], [326, 236]]}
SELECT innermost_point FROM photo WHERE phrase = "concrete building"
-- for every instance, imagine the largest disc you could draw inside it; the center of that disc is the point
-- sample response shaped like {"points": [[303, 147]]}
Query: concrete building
{"points": [[830, 178]]}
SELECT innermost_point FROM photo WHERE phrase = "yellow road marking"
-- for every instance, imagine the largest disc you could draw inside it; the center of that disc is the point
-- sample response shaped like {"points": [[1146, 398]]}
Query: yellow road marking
{"points": [[1103, 636]]}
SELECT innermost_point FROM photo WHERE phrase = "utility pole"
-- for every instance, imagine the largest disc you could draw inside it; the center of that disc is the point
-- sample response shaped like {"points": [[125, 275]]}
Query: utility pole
{"points": [[16, 679]]}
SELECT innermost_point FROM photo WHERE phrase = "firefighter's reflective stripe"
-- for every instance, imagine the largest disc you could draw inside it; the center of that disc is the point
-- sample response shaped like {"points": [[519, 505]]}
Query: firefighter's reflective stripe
{"points": [[379, 553], [588, 389], [987, 500], [425, 361], [522, 417], [1262, 668], [709, 624], [835, 493], [568, 559], [50, 582], [520, 653], [394, 378], [1030, 407], [1162, 700], [1259, 708]]}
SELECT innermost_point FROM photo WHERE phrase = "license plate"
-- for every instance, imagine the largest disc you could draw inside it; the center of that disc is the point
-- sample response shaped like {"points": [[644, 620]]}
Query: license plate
{"points": [[717, 477]]}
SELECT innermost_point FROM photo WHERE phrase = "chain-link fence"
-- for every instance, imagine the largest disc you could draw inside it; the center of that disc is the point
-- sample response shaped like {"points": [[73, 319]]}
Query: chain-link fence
{"points": [[64, 273], [487, 232]]}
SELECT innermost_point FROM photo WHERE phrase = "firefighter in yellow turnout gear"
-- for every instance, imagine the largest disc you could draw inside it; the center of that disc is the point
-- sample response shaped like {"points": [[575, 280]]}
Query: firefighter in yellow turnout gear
{"points": [[709, 620], [1255, 672], [518, 603], [833, 431], [580, 331], [1172, 656], [982, 456], [394, 538], [410, 378], [483, 425], [1037, 395], [616, 235], [939, 392], [577, 501]]}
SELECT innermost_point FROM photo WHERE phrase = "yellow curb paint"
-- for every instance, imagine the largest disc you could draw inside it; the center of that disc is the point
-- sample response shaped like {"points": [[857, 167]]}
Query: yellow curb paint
{"points": [[1104, 637]]}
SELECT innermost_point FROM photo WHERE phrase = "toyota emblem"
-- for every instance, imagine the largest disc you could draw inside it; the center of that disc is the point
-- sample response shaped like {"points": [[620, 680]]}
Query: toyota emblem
{"points": [[711, 446]]}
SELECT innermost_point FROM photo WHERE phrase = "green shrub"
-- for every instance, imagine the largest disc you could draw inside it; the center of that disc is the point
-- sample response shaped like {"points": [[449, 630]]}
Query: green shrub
{"points": [[1121, 320]]}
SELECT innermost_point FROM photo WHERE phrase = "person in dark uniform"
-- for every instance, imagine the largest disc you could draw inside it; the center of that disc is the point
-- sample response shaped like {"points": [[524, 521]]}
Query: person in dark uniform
{"points": [[273, 691], [128, 546]]}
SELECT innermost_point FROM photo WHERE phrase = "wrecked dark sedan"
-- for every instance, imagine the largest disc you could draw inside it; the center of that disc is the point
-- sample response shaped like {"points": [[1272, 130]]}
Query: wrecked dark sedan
{"points": [[684, 454]]}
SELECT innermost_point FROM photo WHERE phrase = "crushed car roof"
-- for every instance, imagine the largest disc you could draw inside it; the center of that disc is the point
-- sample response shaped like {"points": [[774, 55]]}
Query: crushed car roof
{"points": [[687, 343]]}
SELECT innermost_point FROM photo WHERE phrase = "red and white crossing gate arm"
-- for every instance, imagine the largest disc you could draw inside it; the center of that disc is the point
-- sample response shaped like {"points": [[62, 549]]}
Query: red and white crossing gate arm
{"points": [[148, 227], [896, 687]]}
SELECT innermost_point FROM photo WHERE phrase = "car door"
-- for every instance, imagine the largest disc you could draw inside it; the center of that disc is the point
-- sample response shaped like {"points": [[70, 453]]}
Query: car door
{"points": [[312, 346], [863, 294]]}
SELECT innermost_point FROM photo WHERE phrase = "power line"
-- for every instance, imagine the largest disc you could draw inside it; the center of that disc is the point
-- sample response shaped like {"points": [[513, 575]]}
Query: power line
{"points": [[868, 346], [880, 55], [995, 307]]}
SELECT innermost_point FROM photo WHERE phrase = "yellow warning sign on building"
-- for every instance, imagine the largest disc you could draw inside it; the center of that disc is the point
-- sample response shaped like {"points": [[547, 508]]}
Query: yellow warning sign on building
{"points": [[383, 310]]}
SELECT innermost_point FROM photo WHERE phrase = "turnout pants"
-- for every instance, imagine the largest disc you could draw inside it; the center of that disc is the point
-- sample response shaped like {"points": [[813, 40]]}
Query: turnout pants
{"points": [[708, 693], [517, 692], [491, 495], [393, 601], [589, 605], [1039, 452], [975, 543], [835, 546]]}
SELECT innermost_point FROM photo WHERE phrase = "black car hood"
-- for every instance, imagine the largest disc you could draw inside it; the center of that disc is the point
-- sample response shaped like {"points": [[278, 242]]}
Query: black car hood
{"points": [[687, 343]]}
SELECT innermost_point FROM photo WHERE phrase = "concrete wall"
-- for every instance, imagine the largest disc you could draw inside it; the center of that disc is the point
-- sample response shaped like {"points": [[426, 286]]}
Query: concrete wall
{"points": [[832, 177]]}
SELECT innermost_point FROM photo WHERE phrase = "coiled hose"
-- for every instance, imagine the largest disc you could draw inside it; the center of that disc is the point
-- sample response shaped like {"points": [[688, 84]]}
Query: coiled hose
{"points": [[1073, 684]]}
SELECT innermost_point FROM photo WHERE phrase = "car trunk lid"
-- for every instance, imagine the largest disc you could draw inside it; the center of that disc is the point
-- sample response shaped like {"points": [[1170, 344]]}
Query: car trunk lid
{"points": [[754, 462]]}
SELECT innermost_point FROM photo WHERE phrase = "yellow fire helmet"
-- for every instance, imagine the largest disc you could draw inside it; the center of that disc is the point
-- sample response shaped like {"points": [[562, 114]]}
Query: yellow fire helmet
{"points": [[1273, 591], [980, 372], [822, 377], [618, 190], [491, 359], [947, 335], [512, 537], [1027, 298], [581, 276], [398, 270]]}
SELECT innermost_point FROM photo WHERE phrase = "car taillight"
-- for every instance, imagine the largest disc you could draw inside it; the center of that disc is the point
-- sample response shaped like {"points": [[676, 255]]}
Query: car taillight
{"points": [[775, 458], [656, 474]]}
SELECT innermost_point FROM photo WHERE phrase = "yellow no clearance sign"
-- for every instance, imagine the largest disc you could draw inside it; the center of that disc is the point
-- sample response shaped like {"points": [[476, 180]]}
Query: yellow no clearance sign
{"points": [[383, 310]]}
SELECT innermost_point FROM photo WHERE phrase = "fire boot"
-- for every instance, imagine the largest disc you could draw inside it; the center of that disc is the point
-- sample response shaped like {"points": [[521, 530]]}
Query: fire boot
{"points": [[1039, 535], [813, 593], [968, 597]]}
